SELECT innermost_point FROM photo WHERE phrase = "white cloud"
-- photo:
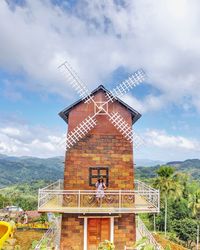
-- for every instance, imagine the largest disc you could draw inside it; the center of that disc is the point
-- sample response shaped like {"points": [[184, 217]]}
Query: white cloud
{"points": [[159, 145], [22, 139], [150, 102], [162, 139], [31, 141], [98, 36]]}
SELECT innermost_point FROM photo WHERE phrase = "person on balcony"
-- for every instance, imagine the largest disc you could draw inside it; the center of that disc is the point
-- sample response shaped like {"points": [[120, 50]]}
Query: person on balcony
{"points": [[100, 187]]}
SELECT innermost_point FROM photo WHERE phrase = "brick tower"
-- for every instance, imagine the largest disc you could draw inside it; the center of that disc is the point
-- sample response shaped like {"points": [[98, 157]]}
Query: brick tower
{"points": [[102, 152], [99, 148]]}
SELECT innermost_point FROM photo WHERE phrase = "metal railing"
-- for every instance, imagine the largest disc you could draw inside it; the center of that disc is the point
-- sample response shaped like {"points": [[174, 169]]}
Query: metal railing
{"points": [[148, 193], [142, 229], [142, 199], [51, 239]]}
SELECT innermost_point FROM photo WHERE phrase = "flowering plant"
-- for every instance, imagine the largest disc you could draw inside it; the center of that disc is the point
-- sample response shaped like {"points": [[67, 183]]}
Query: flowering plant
{"points": [[106, 245]]}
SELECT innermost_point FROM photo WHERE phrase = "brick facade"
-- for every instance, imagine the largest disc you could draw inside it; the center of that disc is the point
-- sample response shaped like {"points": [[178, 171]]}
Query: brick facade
{"points": [[71, 232], [111, 151], [104, 146], [124, 231]]}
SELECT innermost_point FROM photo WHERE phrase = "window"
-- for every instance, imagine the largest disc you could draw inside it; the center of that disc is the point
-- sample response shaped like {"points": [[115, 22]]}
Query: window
{"points": [[96, 172]]}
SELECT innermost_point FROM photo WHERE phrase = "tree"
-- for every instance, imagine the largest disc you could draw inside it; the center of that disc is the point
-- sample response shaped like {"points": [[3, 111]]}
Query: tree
{"points": [[180, 209], [186, 230], [168, 185], [194, 202]]}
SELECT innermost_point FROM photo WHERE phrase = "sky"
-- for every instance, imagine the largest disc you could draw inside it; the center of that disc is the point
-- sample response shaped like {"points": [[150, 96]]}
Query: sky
{"points": [[105, 42]]}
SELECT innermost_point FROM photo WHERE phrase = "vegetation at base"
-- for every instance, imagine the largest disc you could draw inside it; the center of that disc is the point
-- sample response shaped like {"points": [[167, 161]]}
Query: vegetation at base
{"points": [[46, 243], [143, 244], [180, 206], [106, 245], [24, 195]]}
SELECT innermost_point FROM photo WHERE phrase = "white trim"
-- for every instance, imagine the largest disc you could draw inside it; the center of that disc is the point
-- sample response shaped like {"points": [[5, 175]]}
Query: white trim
{"points": [[85, 232], [112, 229]]}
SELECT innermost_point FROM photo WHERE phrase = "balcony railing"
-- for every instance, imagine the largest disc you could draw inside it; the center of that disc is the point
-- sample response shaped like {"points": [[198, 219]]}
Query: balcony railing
{"points": [[140, 200], [51, 239], [144, 232]]}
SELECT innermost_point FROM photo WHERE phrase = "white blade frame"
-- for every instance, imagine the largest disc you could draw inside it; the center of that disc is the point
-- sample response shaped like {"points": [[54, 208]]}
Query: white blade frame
{"points": [[122, 126], [87, 124], [134, 80], [74, 80], [80, 131]]}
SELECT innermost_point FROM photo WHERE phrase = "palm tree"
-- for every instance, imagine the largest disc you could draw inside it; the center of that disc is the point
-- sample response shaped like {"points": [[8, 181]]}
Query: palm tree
{"points": [[169, 185], [194, 202]]}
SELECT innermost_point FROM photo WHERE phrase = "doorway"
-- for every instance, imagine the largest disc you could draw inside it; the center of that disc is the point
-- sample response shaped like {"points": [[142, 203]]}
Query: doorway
{"points": [[98, 231]]}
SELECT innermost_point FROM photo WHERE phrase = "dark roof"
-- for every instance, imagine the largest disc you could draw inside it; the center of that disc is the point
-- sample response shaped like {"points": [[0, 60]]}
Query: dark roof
{"points": [[64, 113]]}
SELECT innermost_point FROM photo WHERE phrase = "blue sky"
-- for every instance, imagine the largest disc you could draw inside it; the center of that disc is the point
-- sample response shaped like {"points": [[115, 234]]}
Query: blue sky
{"points": [[104, 41]]}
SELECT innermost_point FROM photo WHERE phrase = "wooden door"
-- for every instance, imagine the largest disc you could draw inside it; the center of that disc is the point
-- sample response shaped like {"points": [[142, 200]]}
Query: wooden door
{"points": [[98, 231]]}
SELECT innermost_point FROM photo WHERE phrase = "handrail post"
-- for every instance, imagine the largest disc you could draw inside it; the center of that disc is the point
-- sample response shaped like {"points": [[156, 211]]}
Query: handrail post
{"points": [[79, 199], [120, 199]]}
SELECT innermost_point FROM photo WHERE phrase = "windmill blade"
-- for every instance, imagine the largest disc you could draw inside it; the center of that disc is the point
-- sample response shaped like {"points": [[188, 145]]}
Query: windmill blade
{"points": [[134, 80], [138, 141], [122, 126], [80, 131], [74, 80]]}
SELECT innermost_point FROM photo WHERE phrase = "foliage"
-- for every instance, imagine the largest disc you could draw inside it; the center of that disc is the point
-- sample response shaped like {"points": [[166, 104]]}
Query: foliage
{"points": [[183, 205], [168, 185], [27, 169], [143, 244], [45, 244], [165, 172], [23, 195], [188, 167], [186, 230], [34, 244], [106, 245], [17, 247]]}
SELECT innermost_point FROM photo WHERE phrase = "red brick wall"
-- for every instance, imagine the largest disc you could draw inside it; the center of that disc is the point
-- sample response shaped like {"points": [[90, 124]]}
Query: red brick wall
{"points": [[124, 231], [103, 146], [72, 232]]}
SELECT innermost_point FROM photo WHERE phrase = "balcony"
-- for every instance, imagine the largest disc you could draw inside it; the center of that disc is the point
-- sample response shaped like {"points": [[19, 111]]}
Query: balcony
{"points": [[143, 199]]}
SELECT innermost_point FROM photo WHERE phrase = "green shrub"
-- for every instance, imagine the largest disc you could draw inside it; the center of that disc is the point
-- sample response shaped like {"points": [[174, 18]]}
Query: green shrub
{"points": [[106, 245]]}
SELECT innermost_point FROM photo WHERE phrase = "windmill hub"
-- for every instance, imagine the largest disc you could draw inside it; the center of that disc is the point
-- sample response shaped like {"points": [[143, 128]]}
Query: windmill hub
{"points": [[101, 108]]}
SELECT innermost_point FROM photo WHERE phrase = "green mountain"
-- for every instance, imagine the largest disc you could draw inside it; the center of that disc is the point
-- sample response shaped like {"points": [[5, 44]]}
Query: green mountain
{"points": [[15, 170], [26, 169], [190, 167]]}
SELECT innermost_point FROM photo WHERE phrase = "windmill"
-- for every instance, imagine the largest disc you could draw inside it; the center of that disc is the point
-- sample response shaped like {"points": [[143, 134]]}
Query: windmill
{"points": [[115, 118]]}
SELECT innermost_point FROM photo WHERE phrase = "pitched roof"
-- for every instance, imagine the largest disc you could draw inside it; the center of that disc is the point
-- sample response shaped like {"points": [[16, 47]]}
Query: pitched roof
{"points": [[64, 113]]}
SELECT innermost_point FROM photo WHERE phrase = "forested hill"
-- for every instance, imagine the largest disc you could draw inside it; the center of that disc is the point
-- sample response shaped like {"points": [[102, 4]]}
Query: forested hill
{"points": [[190, 166], [26, 169]]}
